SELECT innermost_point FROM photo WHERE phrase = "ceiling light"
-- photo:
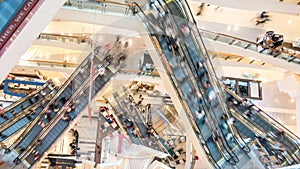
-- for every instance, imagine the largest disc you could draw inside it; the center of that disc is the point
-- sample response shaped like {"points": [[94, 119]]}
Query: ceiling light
{"points": [[67, 58], [236, 28], [289, 21], [228, 28], [292, 100]]}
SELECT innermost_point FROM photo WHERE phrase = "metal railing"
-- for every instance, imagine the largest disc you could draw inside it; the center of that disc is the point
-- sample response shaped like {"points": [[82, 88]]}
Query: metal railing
{"points": [[290, 55], [101, 6]]}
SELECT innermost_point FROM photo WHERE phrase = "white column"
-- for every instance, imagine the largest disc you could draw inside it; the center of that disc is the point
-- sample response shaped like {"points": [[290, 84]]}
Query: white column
{"points": [[291, 85], [298, 115]]}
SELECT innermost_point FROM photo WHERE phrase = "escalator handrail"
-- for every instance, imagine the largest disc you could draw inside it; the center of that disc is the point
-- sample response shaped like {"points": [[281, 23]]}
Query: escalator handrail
{"points": [[17, 117], [23, 99], [60, 90]]}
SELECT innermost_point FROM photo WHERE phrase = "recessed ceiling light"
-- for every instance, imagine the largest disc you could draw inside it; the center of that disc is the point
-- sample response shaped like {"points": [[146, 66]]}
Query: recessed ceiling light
{"points": [[228, 28], [236, 28]]}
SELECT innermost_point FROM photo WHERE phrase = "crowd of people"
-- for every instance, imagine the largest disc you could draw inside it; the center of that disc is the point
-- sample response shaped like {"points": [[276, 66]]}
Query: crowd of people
{"points": [[271, 40], [74, 144]]}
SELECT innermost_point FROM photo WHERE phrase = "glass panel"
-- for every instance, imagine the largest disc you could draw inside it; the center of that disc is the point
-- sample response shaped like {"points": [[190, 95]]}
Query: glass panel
{"points": [[243, 88], [252, 47], [297, 60], [254, 89], [231, 83], [208, 35], [224, 39]]}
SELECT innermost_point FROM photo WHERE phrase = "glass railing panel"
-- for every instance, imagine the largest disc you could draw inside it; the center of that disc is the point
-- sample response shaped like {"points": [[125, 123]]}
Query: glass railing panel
{"points": [[296, 60], [251, 45], [224, 39], [209, 35], [108, 7]]}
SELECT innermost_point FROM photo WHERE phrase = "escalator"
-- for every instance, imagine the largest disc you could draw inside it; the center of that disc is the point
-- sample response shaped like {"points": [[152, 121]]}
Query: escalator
{"points": [[17, 107], [218, 148], [52, 107], [15, 124], [21, 113], [183, 57], [133, 123], [61, 123], [147, 135], [125, 120], [278, 134], [63, 108]]}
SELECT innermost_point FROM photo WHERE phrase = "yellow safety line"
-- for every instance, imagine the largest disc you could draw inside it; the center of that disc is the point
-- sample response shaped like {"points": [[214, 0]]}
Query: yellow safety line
{"points": [[220, 160], [168, 1]]}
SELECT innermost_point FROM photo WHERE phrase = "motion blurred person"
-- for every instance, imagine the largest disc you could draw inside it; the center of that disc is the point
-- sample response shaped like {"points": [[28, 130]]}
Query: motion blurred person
{"points": [[200, 9]]}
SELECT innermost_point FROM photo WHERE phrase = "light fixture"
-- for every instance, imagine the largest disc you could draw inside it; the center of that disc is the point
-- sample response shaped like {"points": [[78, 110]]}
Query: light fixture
{"points": [[228, 28], [236, 28], [292, 100]]}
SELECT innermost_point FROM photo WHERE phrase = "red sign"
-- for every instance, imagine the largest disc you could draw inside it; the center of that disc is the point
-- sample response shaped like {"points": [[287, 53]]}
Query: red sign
{"points": [[16, 21]]}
